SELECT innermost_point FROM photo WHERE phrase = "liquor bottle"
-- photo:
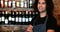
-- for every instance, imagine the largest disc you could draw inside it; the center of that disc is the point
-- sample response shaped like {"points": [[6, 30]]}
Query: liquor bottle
{"points": [[17, 3], [20, 16], [30, 3], [3, 19], [29, 14], [16, 17], [33, 13], [0, 19], [9, 3], [13, 4], [6, 3], [30, 18], [10, 17], [0, 16], [36, 13], [23, 17], [25, 4], [6, 15], [13, 18], [26, 16], [6, 21], [2, 4], [22, 3]]}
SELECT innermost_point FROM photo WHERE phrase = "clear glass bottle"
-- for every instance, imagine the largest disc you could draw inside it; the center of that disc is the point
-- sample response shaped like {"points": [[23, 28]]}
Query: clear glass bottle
{"points": [[22, 3], [30, 3], [17, 3], [9, 3], [0, 16], [10, 17], [26, 16], [20, 17], [23, 17], [30, 16], [2, 4], [6, 21], [3, 18], [16, 17], [13, 18], [6, 3], [13, 4], [25, 4]]}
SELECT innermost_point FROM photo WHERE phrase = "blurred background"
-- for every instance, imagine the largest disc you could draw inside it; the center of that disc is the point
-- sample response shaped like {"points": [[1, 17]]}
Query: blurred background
{"points": [[17, 14]]}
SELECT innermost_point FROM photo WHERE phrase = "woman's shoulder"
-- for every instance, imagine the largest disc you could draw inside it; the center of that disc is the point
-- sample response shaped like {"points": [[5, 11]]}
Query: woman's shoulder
{"points": [[51, 20]]}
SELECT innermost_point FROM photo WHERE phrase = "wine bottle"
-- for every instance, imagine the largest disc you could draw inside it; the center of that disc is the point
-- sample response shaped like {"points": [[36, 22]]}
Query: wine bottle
{"points": [[6, 3], [0, 16], [26, 16], [3, 18], [20, 17], [17, 3], [13, 18], [16, 16], [2, 4], [10, 17], [22, 3], [13, 4], [6, 21], [23, 17], [30, 3], [30, 16], [9, 3], [25, 4]]}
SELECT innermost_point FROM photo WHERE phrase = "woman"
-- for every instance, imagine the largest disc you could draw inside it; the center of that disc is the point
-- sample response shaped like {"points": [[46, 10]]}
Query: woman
{"points": [[44, 22]]}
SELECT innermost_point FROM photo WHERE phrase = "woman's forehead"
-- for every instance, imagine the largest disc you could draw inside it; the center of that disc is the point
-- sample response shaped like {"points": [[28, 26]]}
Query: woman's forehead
{"points": [[41, 0]]}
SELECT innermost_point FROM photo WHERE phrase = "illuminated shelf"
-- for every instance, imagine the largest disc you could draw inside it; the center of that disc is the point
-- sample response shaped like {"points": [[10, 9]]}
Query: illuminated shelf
{"points": [[18, 9]]}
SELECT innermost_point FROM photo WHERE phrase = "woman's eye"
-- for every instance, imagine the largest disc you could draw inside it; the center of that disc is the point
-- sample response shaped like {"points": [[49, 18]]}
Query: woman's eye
{"points": [[41, 3], [44, 3], [38, 2]]}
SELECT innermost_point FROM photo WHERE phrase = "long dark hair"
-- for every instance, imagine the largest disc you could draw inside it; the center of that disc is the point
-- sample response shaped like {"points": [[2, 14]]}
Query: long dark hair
{"points": [[49, 7]]}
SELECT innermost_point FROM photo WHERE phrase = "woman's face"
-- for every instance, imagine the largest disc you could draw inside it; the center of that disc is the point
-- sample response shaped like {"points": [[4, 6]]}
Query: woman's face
{"points": [[41, 5]]}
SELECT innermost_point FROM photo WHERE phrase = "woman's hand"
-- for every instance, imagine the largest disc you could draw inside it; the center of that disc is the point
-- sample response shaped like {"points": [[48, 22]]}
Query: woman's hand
{"points": [[29, 28], [50, 30]]}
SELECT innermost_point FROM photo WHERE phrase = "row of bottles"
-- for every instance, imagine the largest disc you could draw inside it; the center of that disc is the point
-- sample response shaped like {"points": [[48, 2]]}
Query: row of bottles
{"points": [[17, 17], [16, 3]]}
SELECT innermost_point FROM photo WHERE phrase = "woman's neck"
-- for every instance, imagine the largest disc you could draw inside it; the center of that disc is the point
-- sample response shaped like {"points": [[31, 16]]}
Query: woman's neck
{"points": [[42, 15]]}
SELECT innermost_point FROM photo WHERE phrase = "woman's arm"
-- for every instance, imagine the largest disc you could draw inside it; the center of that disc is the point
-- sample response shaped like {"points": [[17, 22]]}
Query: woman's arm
{"points": [[51, 25]]}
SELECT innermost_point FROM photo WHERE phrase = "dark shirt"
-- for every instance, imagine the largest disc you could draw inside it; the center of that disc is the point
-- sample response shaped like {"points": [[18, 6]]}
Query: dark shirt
{"points": [[51, 21]]}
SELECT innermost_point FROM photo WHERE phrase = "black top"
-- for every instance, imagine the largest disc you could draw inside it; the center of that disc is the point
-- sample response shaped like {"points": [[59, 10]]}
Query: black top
{"points": [[51, 21]]}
